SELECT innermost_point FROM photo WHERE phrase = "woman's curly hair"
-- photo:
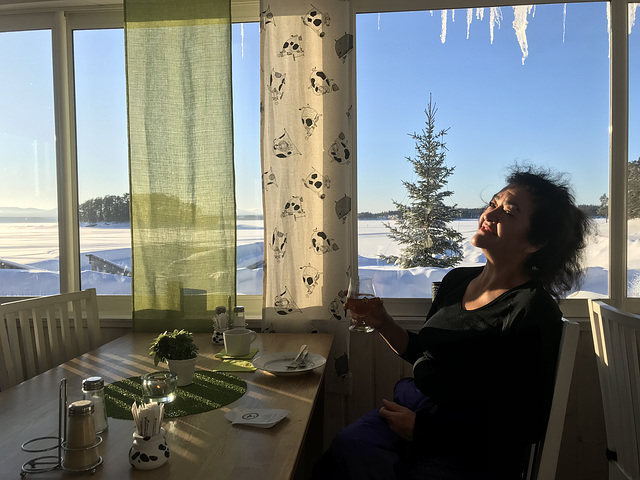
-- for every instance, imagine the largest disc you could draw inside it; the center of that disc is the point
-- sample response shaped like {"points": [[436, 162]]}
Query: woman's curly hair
{"points": [[557, 225]]}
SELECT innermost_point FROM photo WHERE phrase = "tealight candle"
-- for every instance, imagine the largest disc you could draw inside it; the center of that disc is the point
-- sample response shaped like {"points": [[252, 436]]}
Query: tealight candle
{"points": [[159, 387]]}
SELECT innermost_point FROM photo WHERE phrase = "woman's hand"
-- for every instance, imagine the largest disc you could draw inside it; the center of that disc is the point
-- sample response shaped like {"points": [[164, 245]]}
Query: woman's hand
{"points": [[400, 419], [376, 318]]}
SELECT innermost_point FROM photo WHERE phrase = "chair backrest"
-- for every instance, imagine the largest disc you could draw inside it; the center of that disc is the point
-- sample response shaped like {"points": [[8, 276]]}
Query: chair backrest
{"points": [[616, 339], [544, 455], [39, 333]]}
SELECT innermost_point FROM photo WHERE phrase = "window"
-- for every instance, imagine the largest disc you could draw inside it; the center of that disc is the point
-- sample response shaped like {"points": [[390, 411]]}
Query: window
{"points": [[28, 198], [553, 74], [246, 131], [633, 199], [103, 174], [500, 106]]}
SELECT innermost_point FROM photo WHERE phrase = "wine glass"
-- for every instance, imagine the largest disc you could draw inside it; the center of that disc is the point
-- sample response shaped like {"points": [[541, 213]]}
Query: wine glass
{"points": [[360, 301]]}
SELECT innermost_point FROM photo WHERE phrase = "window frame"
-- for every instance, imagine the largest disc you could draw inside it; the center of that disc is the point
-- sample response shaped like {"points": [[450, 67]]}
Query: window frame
{"points": [[65, 17]]}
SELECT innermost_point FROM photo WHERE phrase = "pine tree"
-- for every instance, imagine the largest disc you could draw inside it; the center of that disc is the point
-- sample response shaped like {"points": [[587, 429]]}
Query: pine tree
{"points": [[633, 187], [422, 225]]}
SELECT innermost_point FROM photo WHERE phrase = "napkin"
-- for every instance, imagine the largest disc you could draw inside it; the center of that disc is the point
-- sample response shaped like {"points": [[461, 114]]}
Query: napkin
{"points": [[235, 364], [148, 418], [256, 417], [223, 355]]}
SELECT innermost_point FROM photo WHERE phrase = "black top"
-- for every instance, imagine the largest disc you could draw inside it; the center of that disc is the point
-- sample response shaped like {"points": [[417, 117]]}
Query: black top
{"points": [[490, 372]]}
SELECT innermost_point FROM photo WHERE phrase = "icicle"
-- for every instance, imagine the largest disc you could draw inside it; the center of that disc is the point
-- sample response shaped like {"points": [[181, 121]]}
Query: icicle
{"points": [[480, 13], [378, 21], [520, 26], [632, 15], [443, 34], [453, 15], [564, 22], [494, 19], [469, 19], [242, 38]]}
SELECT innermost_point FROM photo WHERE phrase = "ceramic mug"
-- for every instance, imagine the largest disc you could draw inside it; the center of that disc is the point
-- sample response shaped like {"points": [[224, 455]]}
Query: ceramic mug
{"points": [[237, 341]]}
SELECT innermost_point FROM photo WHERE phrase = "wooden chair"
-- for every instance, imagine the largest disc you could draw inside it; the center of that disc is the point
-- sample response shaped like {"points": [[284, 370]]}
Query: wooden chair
{"points": [[39, 333], [616, 339], [544, 454]]}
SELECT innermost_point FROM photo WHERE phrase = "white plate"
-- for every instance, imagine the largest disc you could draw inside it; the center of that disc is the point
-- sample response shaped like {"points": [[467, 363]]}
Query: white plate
{"points": [[276, 363]]}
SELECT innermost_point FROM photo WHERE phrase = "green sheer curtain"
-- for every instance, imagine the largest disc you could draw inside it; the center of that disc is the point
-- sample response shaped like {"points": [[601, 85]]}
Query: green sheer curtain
{"points": [[183, 219]]}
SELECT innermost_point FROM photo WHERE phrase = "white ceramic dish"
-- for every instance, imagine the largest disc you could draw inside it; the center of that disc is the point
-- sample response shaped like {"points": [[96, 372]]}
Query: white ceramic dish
{"points": [[276, 363]]}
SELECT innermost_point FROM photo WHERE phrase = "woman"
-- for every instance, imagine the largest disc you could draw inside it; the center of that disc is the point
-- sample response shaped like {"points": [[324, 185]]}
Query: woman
{"points": [[484, 361]]}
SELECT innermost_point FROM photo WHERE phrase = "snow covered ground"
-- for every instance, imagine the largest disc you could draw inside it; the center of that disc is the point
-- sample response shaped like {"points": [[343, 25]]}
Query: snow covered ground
{"points": [[30, 245]]}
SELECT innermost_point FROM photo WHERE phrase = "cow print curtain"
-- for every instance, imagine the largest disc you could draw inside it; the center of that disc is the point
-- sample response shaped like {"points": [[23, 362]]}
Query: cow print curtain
{"points": [[307, 129]]}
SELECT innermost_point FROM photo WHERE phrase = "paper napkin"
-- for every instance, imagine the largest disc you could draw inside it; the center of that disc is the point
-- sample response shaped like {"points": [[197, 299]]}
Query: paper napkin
{"points": [[235, 364], [222, 354], [256, 417]]}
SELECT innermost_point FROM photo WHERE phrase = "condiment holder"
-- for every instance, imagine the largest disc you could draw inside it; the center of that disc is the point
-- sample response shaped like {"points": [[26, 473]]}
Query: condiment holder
{"points": [[76, 444]]}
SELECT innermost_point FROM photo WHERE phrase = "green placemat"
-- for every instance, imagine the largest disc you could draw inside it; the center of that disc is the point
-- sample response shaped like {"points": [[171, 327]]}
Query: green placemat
{"points": [[209, 390]]}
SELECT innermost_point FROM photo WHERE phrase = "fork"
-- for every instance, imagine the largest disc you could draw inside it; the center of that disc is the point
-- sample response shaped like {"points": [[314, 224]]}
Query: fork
{"points": [[299, 361]]}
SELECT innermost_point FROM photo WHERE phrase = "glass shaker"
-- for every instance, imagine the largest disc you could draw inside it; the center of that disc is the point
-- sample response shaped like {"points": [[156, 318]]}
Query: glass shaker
{"points": [[81, 445], [93, 389], [238, 318]]}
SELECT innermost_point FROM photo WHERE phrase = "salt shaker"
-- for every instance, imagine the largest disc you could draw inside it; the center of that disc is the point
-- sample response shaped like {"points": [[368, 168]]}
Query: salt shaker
{"points": [[81, 444], [93, 389], [238, 317]]}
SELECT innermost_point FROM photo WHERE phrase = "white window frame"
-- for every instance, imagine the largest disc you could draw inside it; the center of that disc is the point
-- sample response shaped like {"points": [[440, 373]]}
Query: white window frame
{"points": [[62, 17]]}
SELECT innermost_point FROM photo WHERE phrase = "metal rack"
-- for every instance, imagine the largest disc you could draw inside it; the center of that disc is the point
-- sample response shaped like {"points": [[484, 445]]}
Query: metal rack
{"points": [[47, 463]]}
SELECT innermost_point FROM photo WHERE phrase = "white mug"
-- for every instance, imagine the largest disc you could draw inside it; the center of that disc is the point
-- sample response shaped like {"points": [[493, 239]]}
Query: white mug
{"points": [[237, 341]]}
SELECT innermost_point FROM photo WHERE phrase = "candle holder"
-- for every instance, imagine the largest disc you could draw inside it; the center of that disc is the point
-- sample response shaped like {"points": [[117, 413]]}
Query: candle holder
{"points": [[159, 387]]}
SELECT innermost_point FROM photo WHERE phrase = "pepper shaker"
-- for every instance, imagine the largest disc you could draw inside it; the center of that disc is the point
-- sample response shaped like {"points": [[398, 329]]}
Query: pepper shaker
{"points": [[81, 445]]}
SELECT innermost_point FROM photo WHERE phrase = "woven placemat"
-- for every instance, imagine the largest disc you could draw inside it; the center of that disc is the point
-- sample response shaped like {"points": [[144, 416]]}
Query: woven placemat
{"points": [[209, 390]]}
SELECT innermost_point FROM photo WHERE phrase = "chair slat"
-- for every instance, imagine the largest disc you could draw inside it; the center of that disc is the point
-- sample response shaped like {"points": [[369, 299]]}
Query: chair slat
{"points": [[68, 341], [43, 358], [78, 325], [27, 342], [54, 343]]}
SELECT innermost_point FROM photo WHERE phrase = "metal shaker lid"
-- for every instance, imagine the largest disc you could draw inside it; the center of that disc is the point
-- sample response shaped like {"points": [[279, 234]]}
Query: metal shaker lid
{"points": [[81, 407]]}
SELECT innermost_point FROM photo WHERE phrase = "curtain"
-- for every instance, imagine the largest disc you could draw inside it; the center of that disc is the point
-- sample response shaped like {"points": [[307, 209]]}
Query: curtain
{"points": [[307, 137], [183, 222]]}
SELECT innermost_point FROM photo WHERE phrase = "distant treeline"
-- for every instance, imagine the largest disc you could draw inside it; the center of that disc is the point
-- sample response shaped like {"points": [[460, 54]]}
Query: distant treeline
{"points": [[115, 209], [463, 213], [111, 208]]}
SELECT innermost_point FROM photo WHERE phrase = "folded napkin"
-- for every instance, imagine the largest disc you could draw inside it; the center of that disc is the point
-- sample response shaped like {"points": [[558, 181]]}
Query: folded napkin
{"points": [[223, 355], [235, 364]]}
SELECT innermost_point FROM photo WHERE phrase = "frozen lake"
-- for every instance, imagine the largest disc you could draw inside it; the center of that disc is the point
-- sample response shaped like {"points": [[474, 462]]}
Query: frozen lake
{"points": [[34, 246]]}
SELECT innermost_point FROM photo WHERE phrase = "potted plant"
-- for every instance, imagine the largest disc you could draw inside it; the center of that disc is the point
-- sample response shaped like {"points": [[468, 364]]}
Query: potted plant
{"points": [[179, 351]]}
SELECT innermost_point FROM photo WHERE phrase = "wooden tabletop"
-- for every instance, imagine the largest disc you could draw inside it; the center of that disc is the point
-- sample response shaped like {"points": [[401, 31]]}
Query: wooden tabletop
{"points": [[204, 445]]}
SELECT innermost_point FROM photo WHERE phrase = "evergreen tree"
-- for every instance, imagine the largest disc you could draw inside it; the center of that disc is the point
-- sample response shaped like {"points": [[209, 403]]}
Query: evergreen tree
{"points": [[603, 209], [633, 190], [422, 225]]}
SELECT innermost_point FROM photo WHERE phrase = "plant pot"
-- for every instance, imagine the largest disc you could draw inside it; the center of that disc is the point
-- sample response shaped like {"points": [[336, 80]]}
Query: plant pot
{"points": [[184, 369]]}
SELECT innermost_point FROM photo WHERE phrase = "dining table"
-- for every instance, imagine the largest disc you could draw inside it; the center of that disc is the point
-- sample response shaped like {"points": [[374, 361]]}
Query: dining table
{"points": [[202, 445]]}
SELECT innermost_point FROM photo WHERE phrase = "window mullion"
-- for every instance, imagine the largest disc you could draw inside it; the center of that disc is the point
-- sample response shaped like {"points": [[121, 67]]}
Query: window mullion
{"points": [[619, 146]]}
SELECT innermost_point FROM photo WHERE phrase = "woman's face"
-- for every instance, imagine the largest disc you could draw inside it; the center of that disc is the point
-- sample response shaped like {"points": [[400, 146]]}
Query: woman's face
{"points": [[504, 225]]}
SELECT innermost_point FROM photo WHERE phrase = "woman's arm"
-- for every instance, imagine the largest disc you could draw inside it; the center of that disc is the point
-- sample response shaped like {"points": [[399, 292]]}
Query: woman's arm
{"points": [[395, 336]]}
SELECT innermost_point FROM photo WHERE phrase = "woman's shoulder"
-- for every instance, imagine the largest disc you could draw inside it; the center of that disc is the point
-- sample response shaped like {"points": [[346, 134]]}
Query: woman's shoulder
{"points": [[537, 305]]}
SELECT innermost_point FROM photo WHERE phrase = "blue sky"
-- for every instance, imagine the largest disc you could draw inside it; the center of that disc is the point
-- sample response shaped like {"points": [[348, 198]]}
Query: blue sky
{"points": [[552, 111]]}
